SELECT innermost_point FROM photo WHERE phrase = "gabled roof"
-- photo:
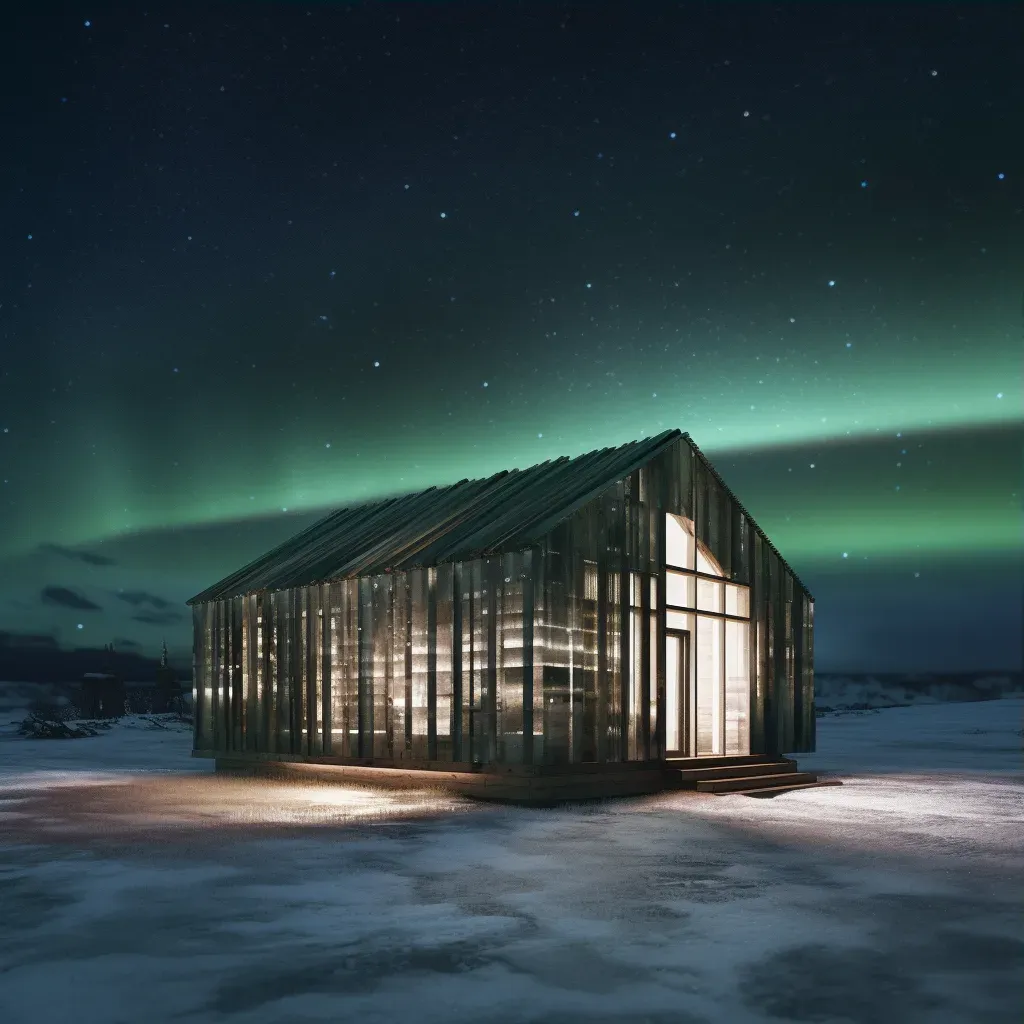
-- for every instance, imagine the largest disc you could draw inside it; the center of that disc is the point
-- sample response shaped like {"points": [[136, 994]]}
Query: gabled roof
{"points": [[505, 512]]}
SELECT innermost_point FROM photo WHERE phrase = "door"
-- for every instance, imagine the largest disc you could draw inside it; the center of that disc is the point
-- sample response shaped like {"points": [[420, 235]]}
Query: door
{"points": [[677, 687]]}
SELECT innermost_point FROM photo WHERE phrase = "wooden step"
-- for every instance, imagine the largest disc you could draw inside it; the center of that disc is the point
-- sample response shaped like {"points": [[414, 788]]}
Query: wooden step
{"points": [[770, 791], [688, 776], [737, 785], [722, 761]]}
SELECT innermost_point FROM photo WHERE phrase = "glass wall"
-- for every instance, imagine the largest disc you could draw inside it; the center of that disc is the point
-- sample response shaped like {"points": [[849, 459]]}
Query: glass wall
{"points": [[737, 687], [560, 653], [448, 746], [719, 673], [709, 718]]}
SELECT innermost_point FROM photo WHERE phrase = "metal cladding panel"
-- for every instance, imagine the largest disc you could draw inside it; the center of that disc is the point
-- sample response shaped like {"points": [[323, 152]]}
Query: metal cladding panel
{"points": [[509, 511], [552, 653]]}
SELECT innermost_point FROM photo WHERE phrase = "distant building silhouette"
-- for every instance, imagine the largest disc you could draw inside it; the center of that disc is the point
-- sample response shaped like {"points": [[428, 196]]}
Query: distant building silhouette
{"points": [[101, 695], [107, 695]]}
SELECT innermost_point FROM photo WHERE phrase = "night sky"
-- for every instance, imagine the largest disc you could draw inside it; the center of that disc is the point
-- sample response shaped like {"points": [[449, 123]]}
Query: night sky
{"points": [[262, 260]]}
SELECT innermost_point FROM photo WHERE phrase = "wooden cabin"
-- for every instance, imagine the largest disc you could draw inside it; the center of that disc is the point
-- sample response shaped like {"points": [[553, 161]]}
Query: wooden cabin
{"points": [[613, 623]]}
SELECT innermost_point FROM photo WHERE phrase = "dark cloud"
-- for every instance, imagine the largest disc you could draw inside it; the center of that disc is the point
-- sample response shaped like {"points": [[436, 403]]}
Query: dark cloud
{"points": [[89, 557], [68, 599], [158, 618], [29, 640], [123, 643], [140, 597]]}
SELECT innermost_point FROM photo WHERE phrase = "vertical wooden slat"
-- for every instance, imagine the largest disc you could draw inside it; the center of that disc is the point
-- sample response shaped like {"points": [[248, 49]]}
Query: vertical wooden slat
{"points": [[296, 671], [665, 483], [528, 562], [603, 681], [492, 582], [326, 669], [432, 598], [269, 656], [311, 658], [458, 740], [407, 608], [388, 586], [218, 687], [237, 689], [200, 741], [368, 719], [644, 724], [624, 530]]}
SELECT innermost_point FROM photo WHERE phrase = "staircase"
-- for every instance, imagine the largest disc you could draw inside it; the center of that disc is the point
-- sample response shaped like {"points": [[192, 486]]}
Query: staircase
{"points": [[754, 775]]}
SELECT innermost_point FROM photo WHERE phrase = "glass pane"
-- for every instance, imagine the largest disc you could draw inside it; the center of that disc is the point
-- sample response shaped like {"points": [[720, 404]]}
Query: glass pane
{"points": [[679, 589], [652, 697], [419, 644], [510, 663], [612, 697], [678, 620], [737, 600], [709, 685], [673, 697], [682, 621], [710, 596], [679, 544], [737, 688], [635, 710], [443, 589]]}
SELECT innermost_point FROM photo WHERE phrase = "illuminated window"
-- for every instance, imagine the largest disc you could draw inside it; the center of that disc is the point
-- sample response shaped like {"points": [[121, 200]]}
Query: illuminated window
{"points": [[679, 589], [679, 541], [710, 596], [737, 600], [706, 561]]}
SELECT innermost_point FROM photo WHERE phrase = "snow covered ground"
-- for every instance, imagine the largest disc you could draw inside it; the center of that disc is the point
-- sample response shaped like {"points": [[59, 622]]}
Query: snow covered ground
{"points": [[137, 886], [883, 690]]}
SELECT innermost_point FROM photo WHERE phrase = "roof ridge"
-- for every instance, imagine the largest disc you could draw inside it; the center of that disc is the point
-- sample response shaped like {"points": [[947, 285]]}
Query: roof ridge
{"points": [[453, 522]]}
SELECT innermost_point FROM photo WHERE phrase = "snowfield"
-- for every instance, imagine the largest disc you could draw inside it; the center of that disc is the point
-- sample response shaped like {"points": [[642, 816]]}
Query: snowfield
{"points": [[137, 886]]}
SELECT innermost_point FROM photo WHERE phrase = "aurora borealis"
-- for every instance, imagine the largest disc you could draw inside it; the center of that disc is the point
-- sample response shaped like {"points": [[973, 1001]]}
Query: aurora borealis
{"points": [[261, 258]]}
